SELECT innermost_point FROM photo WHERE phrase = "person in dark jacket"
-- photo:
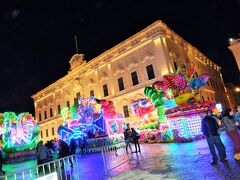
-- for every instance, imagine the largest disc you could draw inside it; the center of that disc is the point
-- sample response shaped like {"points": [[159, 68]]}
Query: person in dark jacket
{"points": [[1, 163], [209, 128], [232, 132], [73, 146], [127, 134], [64, 151], [210, 113], [135, 137]]}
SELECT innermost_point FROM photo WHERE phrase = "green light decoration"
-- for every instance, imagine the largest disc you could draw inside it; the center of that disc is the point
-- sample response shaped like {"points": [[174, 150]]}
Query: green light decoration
{"points": [[74, 112], [18, 133], [157, 99], [155, 96], [66, 114]]}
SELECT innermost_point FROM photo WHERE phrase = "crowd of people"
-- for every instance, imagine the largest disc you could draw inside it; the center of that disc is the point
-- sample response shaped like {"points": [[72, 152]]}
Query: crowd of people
{"points": [[46, 151], [212, 130]]}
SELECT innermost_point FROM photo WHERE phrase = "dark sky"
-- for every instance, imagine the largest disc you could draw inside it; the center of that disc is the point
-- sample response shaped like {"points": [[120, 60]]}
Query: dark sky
{"points": [[37, 37]]}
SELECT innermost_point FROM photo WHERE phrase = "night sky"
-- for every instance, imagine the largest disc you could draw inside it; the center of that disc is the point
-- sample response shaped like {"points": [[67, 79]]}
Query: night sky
{"points": [[37, 37]]}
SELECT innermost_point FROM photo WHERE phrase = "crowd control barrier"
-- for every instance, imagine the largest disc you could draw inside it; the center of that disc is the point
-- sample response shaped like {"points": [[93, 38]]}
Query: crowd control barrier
{"points": [[58, 168], [116, 155]]}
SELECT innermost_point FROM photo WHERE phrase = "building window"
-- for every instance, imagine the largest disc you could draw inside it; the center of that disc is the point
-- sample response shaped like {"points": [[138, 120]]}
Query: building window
{"points": [[91, 93], [134, 78], [46, 132], [45, 114], [75, 102], [214, 84], [150, 72], [203, 98], [208, 98], [40, 116], [78, 95], [105, 90], [175, 66], [125, 111], [41, 134], [51, 112], [53, 133], [68, 104], [59, 109], [120, 84], [196, 74]]}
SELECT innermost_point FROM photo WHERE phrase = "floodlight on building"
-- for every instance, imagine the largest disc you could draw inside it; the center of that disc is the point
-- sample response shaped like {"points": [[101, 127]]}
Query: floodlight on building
{"points": [[237, 89], [231, 39]]}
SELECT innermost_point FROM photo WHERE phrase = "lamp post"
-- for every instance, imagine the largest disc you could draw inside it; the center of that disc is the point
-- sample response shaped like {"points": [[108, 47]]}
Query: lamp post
{"points": [[237, 89]]}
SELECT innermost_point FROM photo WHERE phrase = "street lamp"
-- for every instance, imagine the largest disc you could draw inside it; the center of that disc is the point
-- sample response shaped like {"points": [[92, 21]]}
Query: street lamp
{"points": [[237, 89]]}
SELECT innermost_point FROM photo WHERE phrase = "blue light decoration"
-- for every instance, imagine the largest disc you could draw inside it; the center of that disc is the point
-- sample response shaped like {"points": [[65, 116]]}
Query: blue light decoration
{"points": [[83, 122]]}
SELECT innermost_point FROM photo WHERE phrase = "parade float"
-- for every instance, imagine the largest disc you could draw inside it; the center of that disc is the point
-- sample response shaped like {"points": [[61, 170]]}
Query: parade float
{"points": [[19, 136], [173, 109], [98, 127]]}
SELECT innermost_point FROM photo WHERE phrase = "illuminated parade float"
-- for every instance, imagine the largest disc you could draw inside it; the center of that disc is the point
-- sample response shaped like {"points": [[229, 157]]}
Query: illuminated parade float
{"points": [[98, 127], [19, 136], [173, 109]]}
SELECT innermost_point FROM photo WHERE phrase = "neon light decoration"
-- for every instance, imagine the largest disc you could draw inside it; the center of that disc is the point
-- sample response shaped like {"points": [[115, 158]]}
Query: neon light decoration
{"points": [[177, 107], [85, 122], [18, 132], [115, 126]]}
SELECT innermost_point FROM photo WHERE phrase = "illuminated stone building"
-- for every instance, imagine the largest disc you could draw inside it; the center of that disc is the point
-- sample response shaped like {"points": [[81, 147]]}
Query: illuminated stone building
{"points": [[120, 74]]}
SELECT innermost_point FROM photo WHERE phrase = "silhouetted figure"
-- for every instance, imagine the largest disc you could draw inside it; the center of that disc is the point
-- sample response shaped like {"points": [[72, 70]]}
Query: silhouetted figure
{"points": [[64, 151], [232, 132], [73, 146], [237, 117], [82, 143], [135, 137], [42, 155], [209, 128], [1, 163], [127, 135]]}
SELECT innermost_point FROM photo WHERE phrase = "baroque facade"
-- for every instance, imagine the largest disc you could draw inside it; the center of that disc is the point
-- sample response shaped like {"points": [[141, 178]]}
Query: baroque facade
{"points": [[120, 74]]}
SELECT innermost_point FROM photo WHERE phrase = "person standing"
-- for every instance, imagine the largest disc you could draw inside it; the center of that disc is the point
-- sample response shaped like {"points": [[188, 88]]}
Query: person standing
{"points": [[127, 134], [209, 127], [42, 155], [82, 145], [210, 113], [1, 161], [64, 151], [73, 146], [232, 132], [135, 137], [237, 117]]}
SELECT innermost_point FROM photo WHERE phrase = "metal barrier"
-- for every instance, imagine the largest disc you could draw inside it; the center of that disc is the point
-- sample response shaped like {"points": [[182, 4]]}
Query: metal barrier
{"points": [[116, 155], [58, 166]]}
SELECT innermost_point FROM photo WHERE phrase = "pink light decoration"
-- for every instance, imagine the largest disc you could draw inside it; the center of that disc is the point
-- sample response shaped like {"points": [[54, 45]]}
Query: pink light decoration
{"points": [[114, 126]]}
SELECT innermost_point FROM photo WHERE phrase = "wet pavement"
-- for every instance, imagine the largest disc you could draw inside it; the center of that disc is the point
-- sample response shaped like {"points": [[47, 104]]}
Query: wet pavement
{"points": [[181, 161], [185, 161]]}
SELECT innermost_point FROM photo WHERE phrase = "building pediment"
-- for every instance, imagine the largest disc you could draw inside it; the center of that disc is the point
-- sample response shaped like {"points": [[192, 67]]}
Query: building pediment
{"points": [[147, 56], [119, 69], [103, 77], [132, 63], [91, 82]]}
